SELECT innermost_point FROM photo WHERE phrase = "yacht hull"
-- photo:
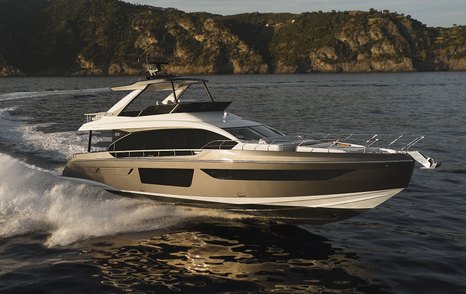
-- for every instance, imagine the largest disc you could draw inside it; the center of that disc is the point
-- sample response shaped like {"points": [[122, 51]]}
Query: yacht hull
{"points": [[286, 186], [319, 209]]}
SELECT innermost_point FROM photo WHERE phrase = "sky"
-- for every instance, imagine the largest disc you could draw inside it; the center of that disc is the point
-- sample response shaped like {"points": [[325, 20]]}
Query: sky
{"points": [[443, 13]]}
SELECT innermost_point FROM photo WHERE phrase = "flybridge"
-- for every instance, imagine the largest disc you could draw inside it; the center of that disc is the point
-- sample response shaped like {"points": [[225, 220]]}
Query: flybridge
{"points": [[173, 103], [159, 82]]}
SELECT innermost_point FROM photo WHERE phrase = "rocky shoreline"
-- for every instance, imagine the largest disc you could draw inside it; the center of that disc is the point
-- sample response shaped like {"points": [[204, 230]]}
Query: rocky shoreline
{"points": [[110, 37]]}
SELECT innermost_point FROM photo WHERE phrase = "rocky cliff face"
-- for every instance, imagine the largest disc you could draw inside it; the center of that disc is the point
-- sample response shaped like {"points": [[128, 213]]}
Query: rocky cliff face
{"points": [[449, 49], [378, 45], [8, 70], [366, 42], [199, 45], [109, 37]]}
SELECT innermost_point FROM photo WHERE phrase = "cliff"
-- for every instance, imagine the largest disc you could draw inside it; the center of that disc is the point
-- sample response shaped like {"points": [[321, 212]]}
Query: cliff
{"points": [[110, 37]]}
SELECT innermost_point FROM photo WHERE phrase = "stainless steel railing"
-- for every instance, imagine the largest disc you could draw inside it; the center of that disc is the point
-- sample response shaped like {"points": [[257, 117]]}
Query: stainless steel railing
{"points": [[93, 116], [153, 153], [358, 143], [400, 142]]}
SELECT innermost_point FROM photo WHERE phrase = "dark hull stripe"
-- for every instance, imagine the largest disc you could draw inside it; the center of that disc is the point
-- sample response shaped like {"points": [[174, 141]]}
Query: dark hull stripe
{"points": [[275, 175]]}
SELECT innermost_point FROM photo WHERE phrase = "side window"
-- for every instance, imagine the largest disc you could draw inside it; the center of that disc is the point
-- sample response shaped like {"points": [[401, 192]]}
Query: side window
{"points": [[254, 133], [245, 134], [166, 139], [267, 131]]}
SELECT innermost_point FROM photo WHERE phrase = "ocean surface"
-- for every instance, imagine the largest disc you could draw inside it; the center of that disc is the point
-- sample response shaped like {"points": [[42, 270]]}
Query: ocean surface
{"points": [[58, 236]]}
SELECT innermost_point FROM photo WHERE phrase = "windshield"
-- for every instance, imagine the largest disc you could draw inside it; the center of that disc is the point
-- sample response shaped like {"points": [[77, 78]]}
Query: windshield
{"points": [[254, 133]]}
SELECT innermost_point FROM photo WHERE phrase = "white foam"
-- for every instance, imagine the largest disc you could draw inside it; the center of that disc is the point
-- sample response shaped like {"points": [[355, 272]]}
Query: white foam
{"points": [[26, 137], [33, 200], [60, 145], [7, 125]]}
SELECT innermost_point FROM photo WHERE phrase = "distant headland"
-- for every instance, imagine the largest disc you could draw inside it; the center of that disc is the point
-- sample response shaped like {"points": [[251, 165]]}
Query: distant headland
{"points": [[111, 37]]}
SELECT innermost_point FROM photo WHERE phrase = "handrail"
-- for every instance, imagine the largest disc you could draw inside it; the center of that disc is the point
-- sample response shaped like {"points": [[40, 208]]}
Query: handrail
{"points": [[337, 141], [94, 116], [412, 143], [171, 152], [220, 143], [154, 152], [324, 143], [368, 140], [393, 142]]}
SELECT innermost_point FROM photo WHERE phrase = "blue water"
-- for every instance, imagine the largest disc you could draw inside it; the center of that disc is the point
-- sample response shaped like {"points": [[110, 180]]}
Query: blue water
{"points": [[61, 237]]}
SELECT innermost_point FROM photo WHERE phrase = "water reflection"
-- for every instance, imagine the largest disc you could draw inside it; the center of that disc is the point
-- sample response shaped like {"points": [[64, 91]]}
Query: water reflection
{"points": [[229, 257]]}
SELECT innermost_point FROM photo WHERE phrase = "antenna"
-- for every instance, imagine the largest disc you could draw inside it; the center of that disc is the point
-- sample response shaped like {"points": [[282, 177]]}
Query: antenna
{"points": [[154, 68]]}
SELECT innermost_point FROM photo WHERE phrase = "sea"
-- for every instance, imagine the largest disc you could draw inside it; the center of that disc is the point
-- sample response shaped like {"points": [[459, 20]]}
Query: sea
{"points": [[59, 236]]}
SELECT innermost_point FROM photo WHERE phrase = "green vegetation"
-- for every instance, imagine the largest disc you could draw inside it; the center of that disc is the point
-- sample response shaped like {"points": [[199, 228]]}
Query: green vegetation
{"points": [[109, 37]]}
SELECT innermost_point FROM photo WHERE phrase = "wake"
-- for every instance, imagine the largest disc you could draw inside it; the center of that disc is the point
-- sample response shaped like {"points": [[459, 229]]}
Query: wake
{"points": [[33, 200], [37, 94], [59, 146]]}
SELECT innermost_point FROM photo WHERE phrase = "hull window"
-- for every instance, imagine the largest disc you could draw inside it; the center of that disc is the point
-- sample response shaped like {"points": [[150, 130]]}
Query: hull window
{"points": [[166, 176], [275, 175]]}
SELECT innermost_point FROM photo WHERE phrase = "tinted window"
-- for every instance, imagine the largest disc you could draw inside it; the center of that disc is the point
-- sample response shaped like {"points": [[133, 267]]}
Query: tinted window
{"points": [[166, 139], [253, 133], [267, 131], [166, 176]]}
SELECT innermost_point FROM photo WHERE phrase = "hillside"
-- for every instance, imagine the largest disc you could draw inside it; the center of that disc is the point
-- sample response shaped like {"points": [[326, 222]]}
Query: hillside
{"points": [[108, 37]]}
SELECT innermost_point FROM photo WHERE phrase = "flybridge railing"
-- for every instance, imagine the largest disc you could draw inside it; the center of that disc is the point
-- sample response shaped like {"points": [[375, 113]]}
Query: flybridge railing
{"points": [[93, 116]]}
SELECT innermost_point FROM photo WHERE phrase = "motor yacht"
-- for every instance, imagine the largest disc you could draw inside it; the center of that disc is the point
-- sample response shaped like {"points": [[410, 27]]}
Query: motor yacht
{"points": [[169, 147]]}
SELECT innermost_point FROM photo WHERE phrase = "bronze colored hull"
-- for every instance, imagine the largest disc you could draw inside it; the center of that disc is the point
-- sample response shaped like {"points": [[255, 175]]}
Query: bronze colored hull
{"points": [[319, 187]]}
